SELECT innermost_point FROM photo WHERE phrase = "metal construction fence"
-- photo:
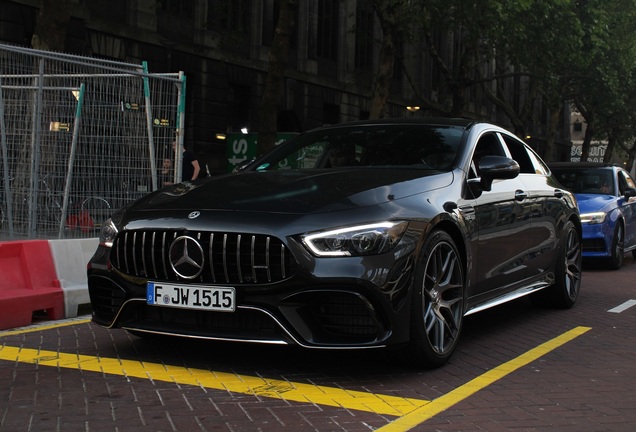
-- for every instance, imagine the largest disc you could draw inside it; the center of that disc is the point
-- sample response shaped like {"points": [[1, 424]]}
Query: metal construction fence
{"points": [[79, 138]]}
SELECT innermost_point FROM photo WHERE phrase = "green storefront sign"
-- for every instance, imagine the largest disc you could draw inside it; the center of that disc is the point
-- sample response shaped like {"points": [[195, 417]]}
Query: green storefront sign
{"points": [[242, 147]]}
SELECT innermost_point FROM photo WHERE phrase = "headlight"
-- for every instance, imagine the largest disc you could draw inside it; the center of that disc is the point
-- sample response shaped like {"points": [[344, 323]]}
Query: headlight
{"points": [[593, 218], [111, 228], [358, 240]]}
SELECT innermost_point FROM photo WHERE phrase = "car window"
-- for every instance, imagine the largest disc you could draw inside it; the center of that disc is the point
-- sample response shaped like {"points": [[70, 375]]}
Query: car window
{"points": [[413, 146], [586, 180], [529, 162], [487, 145], [625, 181]]}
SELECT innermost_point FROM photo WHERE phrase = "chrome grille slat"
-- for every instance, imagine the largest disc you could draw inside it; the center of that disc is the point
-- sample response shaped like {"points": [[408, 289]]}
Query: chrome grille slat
{"points": [[152, 248], [125, 254], [227, 277], [230, 258], [134, 255], [211, 257], [252, 258], [238, 258], [282, 261], [144, 270], [164, 255], [269, 274]]}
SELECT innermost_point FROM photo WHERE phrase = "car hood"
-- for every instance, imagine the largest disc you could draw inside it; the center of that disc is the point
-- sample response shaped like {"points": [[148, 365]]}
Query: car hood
{"points": [[589, 203], [297, 192]]}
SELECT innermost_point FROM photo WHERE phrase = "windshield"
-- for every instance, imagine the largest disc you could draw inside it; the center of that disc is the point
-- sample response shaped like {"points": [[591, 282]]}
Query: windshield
{"points": [[586, 180], [413, 146]]}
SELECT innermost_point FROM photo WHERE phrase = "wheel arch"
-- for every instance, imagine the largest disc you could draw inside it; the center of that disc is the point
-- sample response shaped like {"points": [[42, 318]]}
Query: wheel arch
{"points": [[577, 223], [456, 234]]}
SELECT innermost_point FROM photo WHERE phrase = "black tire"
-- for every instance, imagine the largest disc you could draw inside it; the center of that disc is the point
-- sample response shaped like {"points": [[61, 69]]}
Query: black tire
{"points": [[618, 252], [437, 311], [567, 283]]}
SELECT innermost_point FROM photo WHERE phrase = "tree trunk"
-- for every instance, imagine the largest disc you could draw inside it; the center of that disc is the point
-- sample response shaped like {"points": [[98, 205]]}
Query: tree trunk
{"points": [[611, 141], [275, 82], [587, 139], [383, 79], [631, 155], [553, 126], [385, 13]]}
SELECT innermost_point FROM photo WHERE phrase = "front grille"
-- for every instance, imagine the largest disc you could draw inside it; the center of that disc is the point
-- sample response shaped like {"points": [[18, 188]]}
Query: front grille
{"points": [[229, 258], [106, 298], [345, 315], [244, 324], [593, 245]]}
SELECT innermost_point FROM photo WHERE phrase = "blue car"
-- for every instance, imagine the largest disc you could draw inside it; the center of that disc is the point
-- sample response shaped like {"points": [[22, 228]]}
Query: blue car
{"points": [[606, 196]]}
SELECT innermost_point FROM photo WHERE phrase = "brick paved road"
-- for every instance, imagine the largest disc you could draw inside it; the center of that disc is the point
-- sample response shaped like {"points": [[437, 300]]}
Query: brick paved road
{"points": [[77, 376]]}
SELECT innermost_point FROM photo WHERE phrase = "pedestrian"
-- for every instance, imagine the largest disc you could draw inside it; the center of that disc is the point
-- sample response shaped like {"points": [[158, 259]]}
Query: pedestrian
{"points": [[166, 175], [190, 165]]}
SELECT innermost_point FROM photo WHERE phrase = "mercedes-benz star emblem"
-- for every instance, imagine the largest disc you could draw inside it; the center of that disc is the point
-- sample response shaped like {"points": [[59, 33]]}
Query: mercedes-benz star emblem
{"points": [[186, 257], [194, 215]]}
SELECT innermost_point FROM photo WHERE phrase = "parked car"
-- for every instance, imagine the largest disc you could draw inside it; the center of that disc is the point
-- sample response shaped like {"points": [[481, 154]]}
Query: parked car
{"points": [[606, 197], [362, 235]]}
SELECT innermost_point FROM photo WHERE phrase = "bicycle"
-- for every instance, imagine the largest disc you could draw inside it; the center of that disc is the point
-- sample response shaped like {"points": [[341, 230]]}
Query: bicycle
{"points": [[78, 217]]}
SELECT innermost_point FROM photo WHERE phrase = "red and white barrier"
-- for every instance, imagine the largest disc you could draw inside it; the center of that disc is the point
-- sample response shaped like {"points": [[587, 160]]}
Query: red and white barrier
{"points": [[43, 276]]}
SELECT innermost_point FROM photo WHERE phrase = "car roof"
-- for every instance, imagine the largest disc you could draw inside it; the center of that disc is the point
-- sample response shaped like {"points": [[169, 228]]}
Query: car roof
{"points": [[437, 121]]}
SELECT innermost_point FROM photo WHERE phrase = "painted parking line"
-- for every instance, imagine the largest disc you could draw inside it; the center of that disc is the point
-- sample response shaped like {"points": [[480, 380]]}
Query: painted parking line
{"points": [[623, 307], [257, 386], [409, 412], [453, 397]]}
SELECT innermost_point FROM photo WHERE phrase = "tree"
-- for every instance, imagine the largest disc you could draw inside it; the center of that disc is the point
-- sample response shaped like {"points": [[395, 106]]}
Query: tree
{"points": [[386, 11], [457, 34], [397, 19], [537, 61], [607, 86], [275, 81], [50, 29], [426, 23]]}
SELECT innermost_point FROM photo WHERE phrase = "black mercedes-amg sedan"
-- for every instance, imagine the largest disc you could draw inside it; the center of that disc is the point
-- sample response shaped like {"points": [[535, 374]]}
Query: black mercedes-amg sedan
{"points": [[371, 234]]}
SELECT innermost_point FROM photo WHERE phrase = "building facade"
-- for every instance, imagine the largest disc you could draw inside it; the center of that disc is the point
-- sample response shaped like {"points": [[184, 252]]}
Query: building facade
{"points": [[222, 47]]}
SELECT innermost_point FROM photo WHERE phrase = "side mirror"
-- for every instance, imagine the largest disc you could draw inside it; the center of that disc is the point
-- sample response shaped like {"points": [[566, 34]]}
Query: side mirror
{"points": [[496, 167], [630, 193]]}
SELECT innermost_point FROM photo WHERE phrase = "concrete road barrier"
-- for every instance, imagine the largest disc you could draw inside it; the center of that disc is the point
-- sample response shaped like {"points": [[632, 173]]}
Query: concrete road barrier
{"points": [[44, 277], [70, 258]]}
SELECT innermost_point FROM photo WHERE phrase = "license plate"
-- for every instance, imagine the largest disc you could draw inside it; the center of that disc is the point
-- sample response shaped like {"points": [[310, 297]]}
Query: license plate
{"points": [[191, 296]]}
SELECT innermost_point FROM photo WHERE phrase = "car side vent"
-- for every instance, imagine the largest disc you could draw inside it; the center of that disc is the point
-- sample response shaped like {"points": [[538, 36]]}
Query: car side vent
{"points": [[227, 258]]}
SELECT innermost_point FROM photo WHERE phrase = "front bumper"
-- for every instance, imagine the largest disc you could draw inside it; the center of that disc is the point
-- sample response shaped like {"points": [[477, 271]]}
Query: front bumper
{"points": [[351, 302], [597, 240]]}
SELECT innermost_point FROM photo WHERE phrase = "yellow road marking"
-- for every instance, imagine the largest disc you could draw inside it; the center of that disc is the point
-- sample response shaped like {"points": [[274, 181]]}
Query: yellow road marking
{"points": [[257, 386], [42, 327], [453, 397], [410, 412]]}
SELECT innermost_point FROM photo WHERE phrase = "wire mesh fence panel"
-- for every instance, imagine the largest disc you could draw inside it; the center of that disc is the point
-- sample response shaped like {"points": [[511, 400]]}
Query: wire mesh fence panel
{"points": [[80, 137]]}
